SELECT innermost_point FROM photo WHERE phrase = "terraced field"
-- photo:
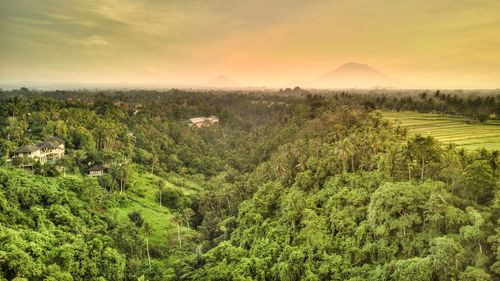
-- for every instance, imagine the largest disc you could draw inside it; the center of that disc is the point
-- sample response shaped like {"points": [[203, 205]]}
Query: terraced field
{"points": [[462, 132]]}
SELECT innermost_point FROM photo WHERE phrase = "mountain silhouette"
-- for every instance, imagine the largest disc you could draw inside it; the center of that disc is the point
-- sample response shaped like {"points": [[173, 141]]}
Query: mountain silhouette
{"points": [[222, 81], [356, 75]]}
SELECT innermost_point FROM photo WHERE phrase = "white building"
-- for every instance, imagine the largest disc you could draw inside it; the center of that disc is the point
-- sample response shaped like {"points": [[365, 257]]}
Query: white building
{"points": [[202, 121], [49, 150]]}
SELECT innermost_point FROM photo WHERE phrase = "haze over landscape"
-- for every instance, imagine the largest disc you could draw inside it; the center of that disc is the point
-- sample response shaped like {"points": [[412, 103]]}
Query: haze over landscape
{"points": [[276, 140], [417, 44]]}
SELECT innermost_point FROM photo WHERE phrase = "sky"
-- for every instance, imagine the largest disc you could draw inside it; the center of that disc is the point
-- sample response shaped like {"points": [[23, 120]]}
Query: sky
{"points": [[434, 43]]}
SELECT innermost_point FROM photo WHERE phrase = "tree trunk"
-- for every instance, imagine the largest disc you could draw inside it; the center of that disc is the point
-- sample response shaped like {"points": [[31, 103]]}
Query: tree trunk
{"points": [[147, 250], [160, 199], [112, 187], [179, 235], [228, 203], [409, 172], [187, 220], [393, 164], [422, 175], [352, 162], [153, 165]]}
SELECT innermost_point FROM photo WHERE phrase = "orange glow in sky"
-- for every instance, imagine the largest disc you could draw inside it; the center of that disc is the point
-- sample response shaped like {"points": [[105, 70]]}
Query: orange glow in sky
{"points": [[438, 43]]}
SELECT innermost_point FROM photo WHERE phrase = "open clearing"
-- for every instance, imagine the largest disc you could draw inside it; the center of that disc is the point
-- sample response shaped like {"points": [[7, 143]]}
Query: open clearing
{"points": [[464, 133], [142, 195]]}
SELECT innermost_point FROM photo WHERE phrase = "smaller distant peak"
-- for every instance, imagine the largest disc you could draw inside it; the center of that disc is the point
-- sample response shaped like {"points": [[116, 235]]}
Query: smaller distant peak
{"points": [[222, 81], [354, 65], [221, 77]]}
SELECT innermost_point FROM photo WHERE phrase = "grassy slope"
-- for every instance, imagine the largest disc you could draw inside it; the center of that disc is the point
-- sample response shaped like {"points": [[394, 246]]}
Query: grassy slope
{"points": [[463, 132], [141, 193]]}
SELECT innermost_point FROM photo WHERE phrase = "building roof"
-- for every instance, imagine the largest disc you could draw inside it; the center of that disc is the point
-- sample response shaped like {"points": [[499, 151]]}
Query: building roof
{"points": [[52, 142], [96, 168], [27, 149], [48, 144], [198, 119], [55, 139], [203, 119]]}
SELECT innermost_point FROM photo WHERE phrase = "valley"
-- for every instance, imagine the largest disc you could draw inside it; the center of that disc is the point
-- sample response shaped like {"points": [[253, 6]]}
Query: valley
{"points": [[283, 185]]}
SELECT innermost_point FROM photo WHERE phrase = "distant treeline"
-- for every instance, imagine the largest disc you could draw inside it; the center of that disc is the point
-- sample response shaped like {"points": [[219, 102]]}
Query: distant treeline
{"points": [[478, 105], [479, 108]]}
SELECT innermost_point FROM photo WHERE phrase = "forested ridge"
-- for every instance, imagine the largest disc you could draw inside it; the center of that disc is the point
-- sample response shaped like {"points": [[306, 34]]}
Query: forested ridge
{"points": [[286, 187]]}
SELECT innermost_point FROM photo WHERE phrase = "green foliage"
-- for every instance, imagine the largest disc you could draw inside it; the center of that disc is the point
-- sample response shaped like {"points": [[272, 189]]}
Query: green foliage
{"points": [[173, 198], [136, 218], [50, 233], [288, 187], [478, 182], [474, 274], [414, 269]]}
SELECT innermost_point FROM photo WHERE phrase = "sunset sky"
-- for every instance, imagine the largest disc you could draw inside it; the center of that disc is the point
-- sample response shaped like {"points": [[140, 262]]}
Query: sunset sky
{"points": [[433, 43]]}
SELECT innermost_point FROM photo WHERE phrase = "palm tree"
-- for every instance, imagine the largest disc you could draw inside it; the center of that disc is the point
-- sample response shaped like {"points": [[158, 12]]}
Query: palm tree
{"points": [[345, 151], [494, 159], [148, 231], [300, 155], [394, 153], [425, 149], [409, 155]]}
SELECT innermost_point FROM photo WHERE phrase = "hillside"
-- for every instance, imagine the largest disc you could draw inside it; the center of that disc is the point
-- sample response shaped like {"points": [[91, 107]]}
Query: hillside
{"points": [[283, 187], [74, 211]]}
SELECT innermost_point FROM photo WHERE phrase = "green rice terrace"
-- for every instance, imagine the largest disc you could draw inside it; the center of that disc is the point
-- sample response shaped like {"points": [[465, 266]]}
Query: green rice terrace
{"points": [[463, 132]]}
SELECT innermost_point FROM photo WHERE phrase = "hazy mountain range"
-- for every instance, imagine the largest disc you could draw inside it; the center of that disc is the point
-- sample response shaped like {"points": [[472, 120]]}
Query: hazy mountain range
{"points": [[349, 75], [222, 81], [356, 75]]}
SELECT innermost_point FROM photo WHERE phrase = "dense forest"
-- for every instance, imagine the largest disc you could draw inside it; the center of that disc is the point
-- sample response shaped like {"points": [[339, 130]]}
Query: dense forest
{"points": [[288, 185]]}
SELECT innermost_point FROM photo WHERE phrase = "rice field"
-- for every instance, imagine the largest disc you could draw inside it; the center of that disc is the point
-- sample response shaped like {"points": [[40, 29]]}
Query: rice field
{"points": [[464, 133]]}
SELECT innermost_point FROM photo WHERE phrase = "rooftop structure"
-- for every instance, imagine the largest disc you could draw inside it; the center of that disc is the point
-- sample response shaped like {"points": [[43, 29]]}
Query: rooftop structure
{"points": [[49, 150], [202, 121]]}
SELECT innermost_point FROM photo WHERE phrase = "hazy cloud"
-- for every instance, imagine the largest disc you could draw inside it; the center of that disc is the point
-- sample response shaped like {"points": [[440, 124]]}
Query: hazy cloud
{"points": [[190, 39], [93, 41]]}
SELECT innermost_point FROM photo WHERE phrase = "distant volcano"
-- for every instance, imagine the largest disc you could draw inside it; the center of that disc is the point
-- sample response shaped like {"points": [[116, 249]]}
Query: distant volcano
{"points": [[356, 75], [222, 81]]}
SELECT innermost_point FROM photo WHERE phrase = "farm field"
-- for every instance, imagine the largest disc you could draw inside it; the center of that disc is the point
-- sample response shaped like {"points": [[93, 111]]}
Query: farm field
{"points": [[464, 133]]}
